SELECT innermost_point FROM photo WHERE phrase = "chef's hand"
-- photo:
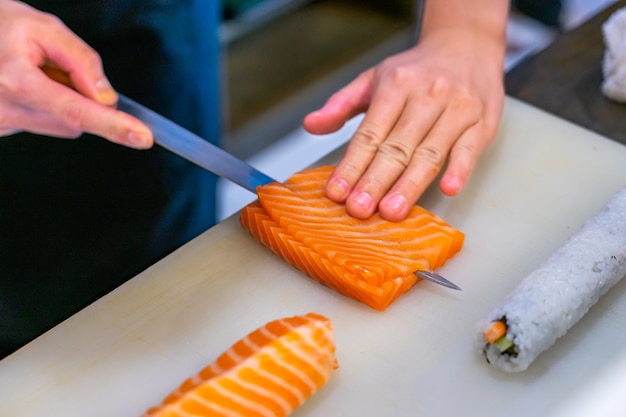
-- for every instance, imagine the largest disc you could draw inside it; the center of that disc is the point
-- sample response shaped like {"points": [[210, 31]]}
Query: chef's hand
{"points": [[31, 101], [441, 100]]}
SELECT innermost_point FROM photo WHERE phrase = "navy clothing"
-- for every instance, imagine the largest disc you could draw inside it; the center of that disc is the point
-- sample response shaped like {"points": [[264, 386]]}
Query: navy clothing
{"points": [[547, 12], [80, 217]]}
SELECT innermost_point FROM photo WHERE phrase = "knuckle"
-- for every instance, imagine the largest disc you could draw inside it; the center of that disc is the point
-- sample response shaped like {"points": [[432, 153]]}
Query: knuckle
{"points": [[73, 115], [88, 54], [73, 134], [442, 85], [350, 170], [372, 183], [468, 148], [469, 103], [490, 125], [91, 58], [398, 76], [396, 151], [431, 154], [10, 89], [6, 87], [410, 184], [51, 20], [66, 133], [367, 138]]}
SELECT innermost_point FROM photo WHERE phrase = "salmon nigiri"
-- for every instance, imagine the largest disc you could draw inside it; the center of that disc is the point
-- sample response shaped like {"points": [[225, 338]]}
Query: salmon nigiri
{"points": [[372, 261], [268, 373]]}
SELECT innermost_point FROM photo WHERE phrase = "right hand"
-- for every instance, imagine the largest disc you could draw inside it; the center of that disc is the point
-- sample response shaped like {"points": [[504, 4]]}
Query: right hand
{"points": [[31, 101], [436, 105]]}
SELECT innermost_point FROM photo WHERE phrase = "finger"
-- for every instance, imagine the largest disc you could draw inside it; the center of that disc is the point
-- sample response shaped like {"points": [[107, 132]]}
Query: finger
{"points": [[394, 155], [24, 119], [69, 53], [79, 113], [463, 159], [428, 159], [346, 103], [116, 126], [383, 112]]}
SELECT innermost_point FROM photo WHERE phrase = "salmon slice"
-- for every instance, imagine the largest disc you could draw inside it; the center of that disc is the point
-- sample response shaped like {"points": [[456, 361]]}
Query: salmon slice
{"points": [[268, 373], [372, 261]]}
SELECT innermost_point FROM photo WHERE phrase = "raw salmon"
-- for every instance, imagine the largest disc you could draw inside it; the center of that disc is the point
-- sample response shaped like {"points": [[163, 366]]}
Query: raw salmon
{"points": [[268, 373], [372, 261]]}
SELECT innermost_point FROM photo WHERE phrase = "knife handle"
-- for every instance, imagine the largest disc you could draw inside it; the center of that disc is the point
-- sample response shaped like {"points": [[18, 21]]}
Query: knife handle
{"points": [[57, 74]]}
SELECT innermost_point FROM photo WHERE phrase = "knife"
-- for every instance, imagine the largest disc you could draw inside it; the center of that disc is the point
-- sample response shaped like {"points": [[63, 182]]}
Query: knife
{"points": [[180, 141], [197, 150], [192, 147]]}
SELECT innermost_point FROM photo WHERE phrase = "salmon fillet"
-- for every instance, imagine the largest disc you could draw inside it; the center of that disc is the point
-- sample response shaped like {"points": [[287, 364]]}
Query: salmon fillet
{"points": [[372, 261], [268, 373]]}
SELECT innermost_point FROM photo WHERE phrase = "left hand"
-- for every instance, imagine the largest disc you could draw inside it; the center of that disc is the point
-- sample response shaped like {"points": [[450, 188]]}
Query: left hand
{"points": [[440, 100], [35, 46]]}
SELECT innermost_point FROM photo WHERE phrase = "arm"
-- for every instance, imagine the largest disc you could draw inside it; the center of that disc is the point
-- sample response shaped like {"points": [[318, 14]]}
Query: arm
{"points": [[30, 101], [439, 101]]}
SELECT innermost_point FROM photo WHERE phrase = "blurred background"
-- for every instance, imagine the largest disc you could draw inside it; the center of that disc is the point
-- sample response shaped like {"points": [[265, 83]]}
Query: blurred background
{"points": [[283, 58]]}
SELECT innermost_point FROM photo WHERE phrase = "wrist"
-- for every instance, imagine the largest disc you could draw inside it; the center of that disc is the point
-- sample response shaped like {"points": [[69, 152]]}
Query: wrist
{"points": [[480, 19]]}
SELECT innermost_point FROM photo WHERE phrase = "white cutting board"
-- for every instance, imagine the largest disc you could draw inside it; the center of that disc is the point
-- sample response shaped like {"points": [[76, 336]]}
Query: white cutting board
{"points": [[533, 188]]}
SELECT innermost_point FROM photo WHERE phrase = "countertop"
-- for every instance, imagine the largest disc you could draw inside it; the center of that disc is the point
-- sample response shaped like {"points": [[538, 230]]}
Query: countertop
{"points": [[565, 78], [534, 187]]}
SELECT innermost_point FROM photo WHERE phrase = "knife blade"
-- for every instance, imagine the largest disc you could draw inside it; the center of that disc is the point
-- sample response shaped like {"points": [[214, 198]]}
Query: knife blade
{"points": [[197, 150], [192, 147], [437, 279], [179, 140]]}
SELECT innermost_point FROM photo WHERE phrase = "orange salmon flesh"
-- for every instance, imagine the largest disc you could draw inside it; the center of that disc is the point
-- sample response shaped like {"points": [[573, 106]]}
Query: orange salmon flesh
{"points": [[372, 261], [268, 373]]}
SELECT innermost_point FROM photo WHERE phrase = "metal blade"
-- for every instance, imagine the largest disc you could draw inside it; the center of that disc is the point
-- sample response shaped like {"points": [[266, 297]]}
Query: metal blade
{"points": [[192, 147], [437, 279], [197, 150]]}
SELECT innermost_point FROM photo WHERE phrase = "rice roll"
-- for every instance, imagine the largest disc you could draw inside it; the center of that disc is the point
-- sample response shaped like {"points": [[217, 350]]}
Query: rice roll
{"points": [[554, 297]]}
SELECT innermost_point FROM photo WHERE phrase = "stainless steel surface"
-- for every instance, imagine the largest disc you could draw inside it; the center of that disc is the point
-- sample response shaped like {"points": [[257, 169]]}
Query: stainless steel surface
{"points": [[437, 279], [192, 147]]}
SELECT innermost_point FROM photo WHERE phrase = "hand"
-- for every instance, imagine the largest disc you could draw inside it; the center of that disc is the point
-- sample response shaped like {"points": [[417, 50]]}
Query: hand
{"points": [[31, 101], [441, 100]]}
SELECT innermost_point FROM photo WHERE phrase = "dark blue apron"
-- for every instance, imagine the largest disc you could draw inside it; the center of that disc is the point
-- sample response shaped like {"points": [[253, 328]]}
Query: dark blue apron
{"points": [[80, 217]]}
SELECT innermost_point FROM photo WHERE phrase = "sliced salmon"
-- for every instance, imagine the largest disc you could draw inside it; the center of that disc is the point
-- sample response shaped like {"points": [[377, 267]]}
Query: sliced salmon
{"points": [[372, 261], [268, 373]]}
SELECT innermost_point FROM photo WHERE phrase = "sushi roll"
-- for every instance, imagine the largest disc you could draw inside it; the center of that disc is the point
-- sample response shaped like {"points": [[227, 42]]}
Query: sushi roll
{"points": [[554, 297]]}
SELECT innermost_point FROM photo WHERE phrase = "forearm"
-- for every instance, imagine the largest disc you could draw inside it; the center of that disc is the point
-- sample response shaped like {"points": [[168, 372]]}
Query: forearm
{"points": [[454, 20], [485, 16]]}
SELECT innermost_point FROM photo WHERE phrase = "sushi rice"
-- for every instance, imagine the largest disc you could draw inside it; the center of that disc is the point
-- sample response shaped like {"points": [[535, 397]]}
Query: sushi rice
{"points": [[554, 297]]}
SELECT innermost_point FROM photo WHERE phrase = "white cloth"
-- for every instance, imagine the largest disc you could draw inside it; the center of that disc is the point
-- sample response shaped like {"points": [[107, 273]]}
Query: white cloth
{"points": [[614, 64]]}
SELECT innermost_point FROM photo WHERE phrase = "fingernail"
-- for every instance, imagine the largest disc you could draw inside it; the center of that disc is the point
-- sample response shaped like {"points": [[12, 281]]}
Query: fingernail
{"points": [[105, 93], [455, 183], [363, 200], [451, 185], [338, 187], [139, 140], [396, 203]]}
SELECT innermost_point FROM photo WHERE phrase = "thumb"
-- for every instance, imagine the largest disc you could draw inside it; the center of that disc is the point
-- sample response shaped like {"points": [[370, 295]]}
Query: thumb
{"points": [[346, 103], [69, 60]]}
